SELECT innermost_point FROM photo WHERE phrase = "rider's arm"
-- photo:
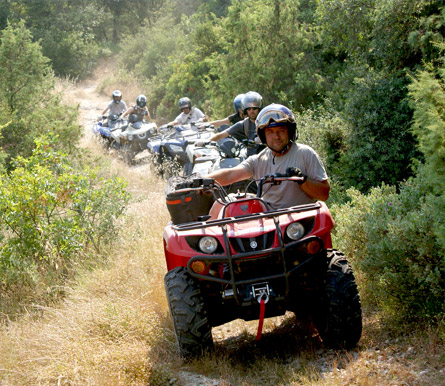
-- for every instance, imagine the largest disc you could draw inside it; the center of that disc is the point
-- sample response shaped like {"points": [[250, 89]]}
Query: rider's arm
{"points": [[229, 176], [103, 112], [129, 110], [316, 189], [216, 137], [224, 121]]}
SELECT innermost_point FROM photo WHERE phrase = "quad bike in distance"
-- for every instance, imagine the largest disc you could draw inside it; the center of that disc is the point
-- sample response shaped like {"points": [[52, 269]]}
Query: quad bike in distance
{"points": [[212, 156], [171, 145], [104, 127], [133, 139], [232, 256]]}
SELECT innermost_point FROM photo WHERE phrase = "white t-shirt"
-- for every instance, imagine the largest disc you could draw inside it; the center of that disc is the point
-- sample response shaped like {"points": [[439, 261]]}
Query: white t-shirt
{"points": [[193, 116], [116, 108], [288, 193]]}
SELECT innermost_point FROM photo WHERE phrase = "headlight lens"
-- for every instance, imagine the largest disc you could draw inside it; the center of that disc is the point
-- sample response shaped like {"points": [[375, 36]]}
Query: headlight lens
{"points": [[130, 137], [176, 148], [208, 244], [295, 231]]}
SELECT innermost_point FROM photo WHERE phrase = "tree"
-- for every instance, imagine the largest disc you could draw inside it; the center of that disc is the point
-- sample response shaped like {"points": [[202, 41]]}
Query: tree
{"points": [[25, 74], [29, 105]]}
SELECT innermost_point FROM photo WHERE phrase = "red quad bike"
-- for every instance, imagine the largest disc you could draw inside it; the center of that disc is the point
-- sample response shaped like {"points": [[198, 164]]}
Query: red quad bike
{"points": [[245, 260]]}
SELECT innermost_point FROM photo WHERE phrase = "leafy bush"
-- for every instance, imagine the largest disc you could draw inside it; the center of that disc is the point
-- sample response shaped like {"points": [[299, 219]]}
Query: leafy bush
{"points": [[30, 107], [52, 216], [379, 139], [25, 74], [392, 240]]}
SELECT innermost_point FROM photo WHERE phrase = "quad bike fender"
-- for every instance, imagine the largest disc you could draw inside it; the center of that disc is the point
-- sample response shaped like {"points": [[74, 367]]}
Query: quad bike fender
{"points": [[154, 146], [176, 249]]}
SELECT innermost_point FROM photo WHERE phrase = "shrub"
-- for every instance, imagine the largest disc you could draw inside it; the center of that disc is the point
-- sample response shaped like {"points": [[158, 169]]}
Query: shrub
{"points": [[52, 216], [392, 241]]}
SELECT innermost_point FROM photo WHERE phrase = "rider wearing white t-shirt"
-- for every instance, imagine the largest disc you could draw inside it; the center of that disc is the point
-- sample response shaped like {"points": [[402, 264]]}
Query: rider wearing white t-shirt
{"points": [[276, 128], [117, 106], [188, 114]]}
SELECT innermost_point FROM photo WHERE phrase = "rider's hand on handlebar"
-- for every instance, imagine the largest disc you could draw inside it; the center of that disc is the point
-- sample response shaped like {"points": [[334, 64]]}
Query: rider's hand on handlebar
{"points": [[296, 172], [201, 143]]}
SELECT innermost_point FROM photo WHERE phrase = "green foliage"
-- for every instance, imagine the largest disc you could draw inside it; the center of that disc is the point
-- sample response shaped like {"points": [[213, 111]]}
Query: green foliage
{"points": [[29, 104], [389, 34], [271, 48], [397, 239], [346, 24], [379, 144], [65, 30], [73, 54], [391, 239], [25, 74], [52, 216], [427, 93], [71, 32]]}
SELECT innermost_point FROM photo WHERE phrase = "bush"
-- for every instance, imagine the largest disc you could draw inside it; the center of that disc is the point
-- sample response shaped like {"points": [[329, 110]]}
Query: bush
{"points": [[393, 242], [52, 217], [30, 108]]}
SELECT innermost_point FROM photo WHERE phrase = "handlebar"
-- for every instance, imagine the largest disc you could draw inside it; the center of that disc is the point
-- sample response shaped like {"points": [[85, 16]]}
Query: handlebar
{"points": [[203, 183], [291, 174], [248, 142]]}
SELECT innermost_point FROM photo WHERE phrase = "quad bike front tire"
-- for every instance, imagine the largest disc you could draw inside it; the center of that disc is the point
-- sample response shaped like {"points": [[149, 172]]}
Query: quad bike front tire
{"points": [[128, 154], [339, 316], [190, 321]]}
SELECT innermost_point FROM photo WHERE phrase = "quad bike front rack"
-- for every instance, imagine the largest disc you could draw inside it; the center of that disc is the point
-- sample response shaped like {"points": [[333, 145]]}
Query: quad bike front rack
{"points": [[228, 258]]}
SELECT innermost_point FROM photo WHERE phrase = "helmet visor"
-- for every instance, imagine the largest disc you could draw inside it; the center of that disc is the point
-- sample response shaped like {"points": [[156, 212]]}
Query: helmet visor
{"points": [[272, 116]]}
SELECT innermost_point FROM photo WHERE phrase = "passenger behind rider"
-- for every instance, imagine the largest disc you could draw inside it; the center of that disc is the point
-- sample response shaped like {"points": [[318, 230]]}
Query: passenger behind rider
{"points": [[237, 116], [251, 102], [139, 111], [276, 128], [188, 114], [116, 106]]}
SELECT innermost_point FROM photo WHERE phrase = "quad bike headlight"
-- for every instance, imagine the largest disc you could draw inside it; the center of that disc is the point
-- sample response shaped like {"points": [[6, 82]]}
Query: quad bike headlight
{"points": [[295, 231], [176, 148], [208, 244], [130, 137]]}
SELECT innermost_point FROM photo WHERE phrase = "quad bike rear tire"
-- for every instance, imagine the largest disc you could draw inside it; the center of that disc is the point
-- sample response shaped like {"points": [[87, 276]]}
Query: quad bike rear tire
{"points": [[190, 321], [339, 316]]}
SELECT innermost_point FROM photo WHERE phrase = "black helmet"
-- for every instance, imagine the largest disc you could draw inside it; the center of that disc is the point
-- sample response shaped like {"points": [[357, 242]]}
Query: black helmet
{"points": [[117, 96], [184, 102], [141, 100], [251, 99], [275, 115]]}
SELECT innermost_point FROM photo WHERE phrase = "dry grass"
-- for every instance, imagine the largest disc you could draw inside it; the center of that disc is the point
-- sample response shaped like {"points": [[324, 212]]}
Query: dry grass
{"points": [[112, 78], [113, 327], [111, 319]]}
